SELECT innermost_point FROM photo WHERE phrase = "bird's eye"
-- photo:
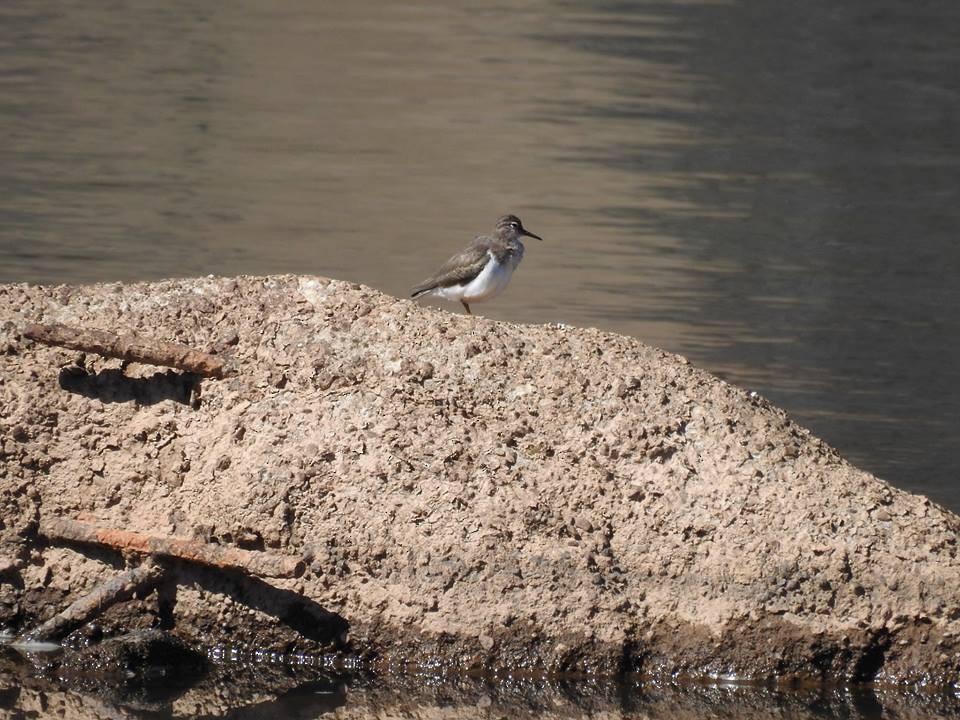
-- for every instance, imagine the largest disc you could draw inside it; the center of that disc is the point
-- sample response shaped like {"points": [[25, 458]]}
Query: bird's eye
{"points": [[514, 225]]}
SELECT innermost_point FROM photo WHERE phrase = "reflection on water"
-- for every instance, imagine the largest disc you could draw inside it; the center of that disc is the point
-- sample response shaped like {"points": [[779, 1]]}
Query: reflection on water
{"points": [[249, 692], [768, 187]]}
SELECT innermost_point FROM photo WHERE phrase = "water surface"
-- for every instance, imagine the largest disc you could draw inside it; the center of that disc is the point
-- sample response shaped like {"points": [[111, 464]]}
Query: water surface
{"points": [[245, 692]]}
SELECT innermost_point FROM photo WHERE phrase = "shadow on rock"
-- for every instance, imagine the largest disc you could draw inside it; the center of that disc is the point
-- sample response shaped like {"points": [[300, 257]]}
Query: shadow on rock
{"points": [[112, 386], [299, 613]]}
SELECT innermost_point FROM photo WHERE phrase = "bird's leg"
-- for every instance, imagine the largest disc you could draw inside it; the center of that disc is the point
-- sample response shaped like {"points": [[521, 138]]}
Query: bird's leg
{"points": [[466, 307]]}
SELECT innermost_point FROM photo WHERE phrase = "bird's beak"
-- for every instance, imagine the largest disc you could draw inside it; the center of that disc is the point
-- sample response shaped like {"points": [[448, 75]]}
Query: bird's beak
{"points": [[530, 234]]}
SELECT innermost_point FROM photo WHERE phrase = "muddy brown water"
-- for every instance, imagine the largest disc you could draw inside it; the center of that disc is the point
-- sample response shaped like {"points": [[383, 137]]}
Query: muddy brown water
{"points": [[770, 188]]}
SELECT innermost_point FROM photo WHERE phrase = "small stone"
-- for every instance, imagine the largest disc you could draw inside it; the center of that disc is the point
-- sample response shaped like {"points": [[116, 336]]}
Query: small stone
{"points": [[486, 642], [203, 304], [423, 370], [8, 564]]}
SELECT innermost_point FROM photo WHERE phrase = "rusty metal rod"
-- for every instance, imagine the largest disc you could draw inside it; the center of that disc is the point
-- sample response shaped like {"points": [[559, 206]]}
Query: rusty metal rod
{"points": [[252, 562], [114, 590], [130, 347]]}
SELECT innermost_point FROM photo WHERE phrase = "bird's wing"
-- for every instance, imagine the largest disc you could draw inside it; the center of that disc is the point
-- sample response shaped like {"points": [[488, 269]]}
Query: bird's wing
{"points": [[461, 268]]}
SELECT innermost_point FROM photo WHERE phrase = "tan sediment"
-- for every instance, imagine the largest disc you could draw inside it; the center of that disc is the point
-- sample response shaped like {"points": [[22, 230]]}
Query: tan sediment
{"points": [[469, 495]]}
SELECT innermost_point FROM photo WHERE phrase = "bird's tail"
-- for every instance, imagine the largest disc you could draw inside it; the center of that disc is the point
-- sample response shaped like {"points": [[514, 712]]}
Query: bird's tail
{"points": [[421, 289]]}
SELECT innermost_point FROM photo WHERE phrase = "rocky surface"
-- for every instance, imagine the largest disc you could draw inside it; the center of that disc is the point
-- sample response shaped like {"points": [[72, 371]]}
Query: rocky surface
{"points": [[469, 495]]}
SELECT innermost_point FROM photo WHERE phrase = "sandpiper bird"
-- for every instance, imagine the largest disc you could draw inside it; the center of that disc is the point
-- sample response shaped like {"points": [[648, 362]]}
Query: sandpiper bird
{"points": [[483, 269]]}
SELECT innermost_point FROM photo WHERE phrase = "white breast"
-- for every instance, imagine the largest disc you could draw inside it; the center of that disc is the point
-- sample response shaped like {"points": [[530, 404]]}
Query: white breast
{"points": [[489, 283]]}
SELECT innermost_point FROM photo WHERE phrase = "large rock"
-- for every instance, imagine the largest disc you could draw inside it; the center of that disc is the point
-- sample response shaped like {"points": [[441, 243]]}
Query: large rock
{"points": [[468, 493]]}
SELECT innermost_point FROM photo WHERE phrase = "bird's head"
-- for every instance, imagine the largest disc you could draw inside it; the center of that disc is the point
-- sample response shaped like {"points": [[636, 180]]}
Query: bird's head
{"points": [[509, 227]]}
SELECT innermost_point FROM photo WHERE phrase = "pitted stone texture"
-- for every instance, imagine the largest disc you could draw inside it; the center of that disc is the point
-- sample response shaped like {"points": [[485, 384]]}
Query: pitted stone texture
{"points": [[468, 493]]}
